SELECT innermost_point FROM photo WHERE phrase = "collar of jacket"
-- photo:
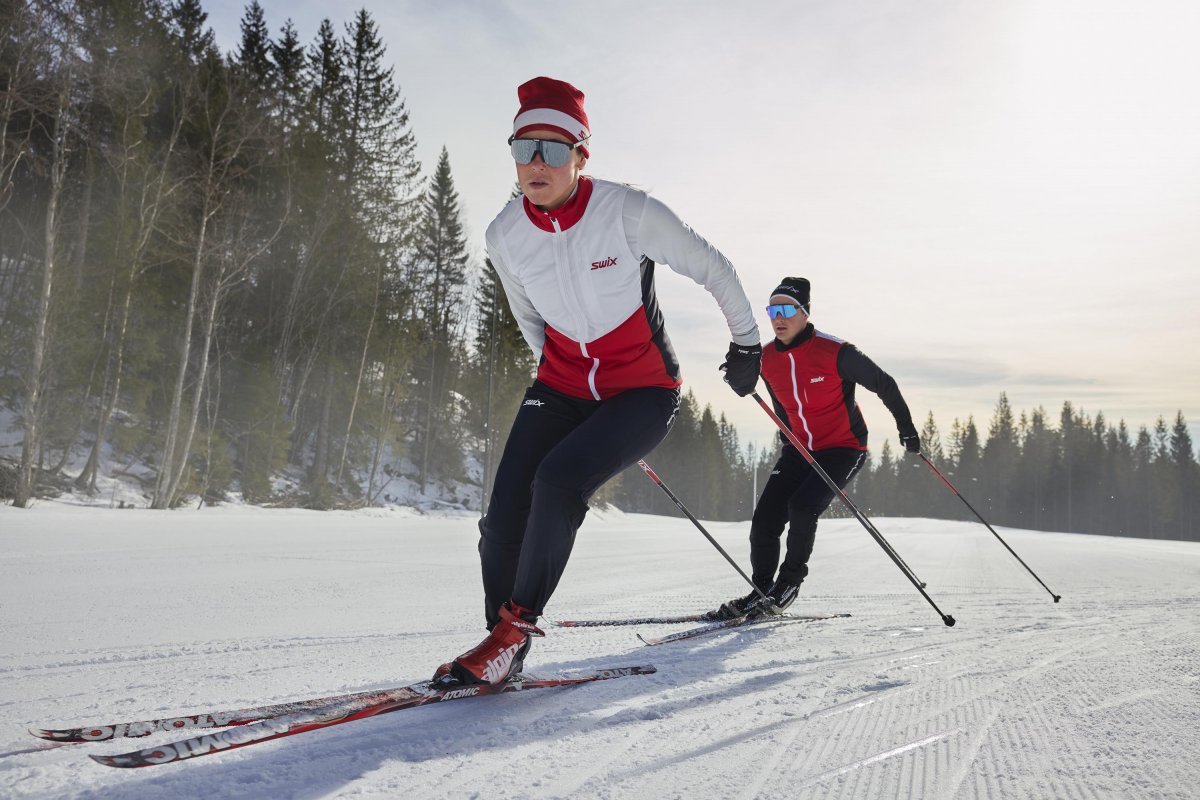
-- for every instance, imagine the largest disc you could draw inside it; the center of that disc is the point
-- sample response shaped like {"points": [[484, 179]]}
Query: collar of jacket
{"points": [[803, 337], [567, 214]]}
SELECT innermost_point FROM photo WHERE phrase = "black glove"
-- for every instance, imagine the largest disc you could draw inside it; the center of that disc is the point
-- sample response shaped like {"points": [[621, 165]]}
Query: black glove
{"points": [[741, 367], [911, 441]]}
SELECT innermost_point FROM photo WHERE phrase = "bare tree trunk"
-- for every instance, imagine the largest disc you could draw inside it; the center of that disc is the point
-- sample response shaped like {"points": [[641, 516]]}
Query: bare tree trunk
{"points": [[18, 30], [223, 151], [381, 436], [154, 194], [362, 365], [12, 271], [213, 407], [162, 485], [423, 474], [320, 466], [197, 396], [33, 398]]}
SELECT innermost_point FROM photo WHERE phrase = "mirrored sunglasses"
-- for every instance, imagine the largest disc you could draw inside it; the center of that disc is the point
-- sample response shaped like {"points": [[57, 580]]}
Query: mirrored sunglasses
{"points": [[554, 154], [787, 311]]}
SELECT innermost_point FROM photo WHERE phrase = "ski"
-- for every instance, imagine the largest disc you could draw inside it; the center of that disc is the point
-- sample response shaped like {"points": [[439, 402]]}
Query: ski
{"points": [[360, 706], [736, 622], [601, 623], [211, 719]]}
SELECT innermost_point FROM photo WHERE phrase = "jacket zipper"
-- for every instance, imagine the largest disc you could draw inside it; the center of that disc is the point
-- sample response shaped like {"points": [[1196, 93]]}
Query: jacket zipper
{"points": [[591, 378]]}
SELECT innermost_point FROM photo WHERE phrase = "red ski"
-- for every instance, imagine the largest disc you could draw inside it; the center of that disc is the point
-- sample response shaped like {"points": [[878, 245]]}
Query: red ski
{"points": [[343, 709]]}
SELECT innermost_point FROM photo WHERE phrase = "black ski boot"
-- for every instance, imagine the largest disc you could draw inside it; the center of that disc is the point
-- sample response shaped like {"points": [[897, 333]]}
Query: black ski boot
{"points": [[781, 595], [738, 607]]}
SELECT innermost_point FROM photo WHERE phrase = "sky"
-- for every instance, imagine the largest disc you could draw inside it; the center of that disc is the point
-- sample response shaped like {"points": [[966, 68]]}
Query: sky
{"points": [[987, 197]]}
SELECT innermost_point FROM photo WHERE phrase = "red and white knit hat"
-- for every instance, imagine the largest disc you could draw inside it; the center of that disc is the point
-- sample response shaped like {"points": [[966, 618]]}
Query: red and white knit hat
{"points": [[549, 104]]}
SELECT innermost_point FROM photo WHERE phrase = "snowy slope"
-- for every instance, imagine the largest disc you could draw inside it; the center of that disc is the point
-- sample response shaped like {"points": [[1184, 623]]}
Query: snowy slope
{"points": [[114, 615]]}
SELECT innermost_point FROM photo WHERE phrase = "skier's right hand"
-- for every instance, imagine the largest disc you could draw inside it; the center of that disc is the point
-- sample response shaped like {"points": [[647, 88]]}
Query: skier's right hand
{"points": [[741, 367]]}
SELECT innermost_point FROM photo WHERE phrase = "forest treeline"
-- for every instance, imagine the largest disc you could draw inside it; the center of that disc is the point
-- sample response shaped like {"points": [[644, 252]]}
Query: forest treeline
{"points": [[233, 266], [1073, 472], [231, 273]]}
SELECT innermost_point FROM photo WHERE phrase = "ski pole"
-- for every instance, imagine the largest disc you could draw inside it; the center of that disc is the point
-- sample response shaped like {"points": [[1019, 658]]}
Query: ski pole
{"points": [[862, 518], [654, 477], [950, 486]]}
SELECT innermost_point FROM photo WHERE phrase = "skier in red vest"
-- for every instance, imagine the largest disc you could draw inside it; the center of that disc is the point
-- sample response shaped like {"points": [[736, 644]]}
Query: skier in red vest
{"points": [[811, 377], [576, 256]]}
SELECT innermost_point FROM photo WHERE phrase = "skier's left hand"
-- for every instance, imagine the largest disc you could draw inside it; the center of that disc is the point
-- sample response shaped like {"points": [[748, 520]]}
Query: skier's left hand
{"points": [[911, 441]]}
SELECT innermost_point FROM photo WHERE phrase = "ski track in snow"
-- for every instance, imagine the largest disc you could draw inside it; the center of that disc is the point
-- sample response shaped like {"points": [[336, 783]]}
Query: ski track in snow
{"points": [[106, 617]]}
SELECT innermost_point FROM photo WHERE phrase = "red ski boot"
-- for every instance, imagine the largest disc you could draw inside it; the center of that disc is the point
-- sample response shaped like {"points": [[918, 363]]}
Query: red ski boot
{"points": [[499, 656]]}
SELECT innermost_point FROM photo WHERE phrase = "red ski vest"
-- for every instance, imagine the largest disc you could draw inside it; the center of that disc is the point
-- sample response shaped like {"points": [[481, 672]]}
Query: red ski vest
{"points": [[816, 403]]}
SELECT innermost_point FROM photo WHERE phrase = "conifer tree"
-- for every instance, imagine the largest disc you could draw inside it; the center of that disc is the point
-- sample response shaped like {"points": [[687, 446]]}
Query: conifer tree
{"points": [[884, 500], [441, 253], [254, 49], [1033, 478], [1183, 462], [1143, 484], [287, 59], [327, 83], [196, 41], [998, 460], [965, 453], [931, 441]]}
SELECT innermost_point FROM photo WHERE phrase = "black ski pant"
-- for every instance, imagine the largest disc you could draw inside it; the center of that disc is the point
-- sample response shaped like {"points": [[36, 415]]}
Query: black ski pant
{"points": [[795, 495], [561, 449]]}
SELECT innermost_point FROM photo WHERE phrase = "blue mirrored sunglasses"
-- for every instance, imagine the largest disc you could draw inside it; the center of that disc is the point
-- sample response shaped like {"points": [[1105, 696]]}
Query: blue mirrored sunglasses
{"points": [[786, 310], [554, 154]]}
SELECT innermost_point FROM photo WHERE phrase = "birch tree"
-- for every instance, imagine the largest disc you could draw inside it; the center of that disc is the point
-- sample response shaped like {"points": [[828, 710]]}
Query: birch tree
{"points": [[59, 119], [222, 126], [142, 169]]}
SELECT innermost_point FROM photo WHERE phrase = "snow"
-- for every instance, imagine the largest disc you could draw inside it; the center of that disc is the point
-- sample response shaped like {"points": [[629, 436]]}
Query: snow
{"points": [[116, 615]]}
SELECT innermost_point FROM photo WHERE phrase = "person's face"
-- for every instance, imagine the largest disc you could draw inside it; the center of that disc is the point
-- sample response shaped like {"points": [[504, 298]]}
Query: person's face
{"points": [[788, 328], [549, 187]]}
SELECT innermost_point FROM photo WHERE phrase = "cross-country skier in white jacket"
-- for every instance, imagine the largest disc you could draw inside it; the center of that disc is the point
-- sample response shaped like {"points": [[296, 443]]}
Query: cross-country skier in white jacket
{"points": [[577, 256]]}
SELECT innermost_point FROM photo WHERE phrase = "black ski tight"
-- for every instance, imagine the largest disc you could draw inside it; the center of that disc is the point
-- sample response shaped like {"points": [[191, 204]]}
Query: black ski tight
{"points": [[795, 495], [560, 450]]}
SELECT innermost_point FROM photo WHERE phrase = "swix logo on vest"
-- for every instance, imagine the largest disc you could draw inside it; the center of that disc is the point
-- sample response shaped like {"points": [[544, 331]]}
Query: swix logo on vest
{"points": [[534, 403], [497, 668], [608, 262], [818, 379]]}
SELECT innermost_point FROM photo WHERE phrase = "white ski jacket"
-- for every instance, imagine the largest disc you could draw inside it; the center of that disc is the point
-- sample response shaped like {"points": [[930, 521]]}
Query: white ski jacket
{"points": [[580, 282]]}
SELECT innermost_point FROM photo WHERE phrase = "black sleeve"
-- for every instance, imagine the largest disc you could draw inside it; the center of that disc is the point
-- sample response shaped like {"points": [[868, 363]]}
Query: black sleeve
{"points": [[854, 366]]}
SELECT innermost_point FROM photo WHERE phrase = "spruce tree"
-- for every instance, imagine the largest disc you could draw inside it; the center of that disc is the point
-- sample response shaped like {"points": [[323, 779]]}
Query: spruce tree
{"points": [[1144, 511], [998, 462], [965, 454], [188, 20], [1183, 461], [287, 59], [254, 49], [883, 483], [441, 253]]}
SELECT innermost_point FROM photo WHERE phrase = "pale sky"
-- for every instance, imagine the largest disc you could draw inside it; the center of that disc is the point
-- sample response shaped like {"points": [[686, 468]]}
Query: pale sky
{"points": [[987, 197]]}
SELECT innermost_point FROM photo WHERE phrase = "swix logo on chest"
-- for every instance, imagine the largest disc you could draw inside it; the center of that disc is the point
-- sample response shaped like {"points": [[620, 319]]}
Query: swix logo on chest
{"points": [[608, 262], [818, 379], [534, 403]]}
